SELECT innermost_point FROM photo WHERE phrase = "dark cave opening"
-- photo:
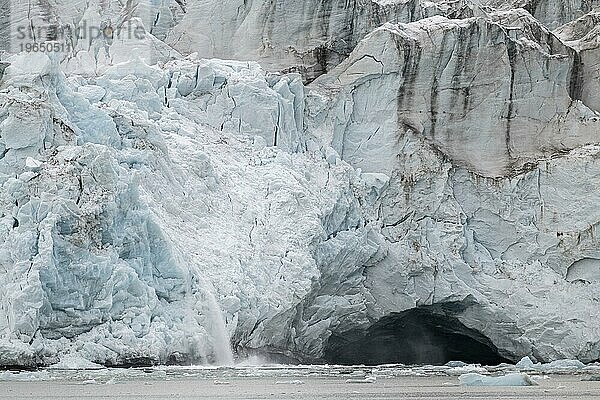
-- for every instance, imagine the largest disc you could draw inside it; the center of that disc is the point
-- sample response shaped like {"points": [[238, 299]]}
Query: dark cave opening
{"points": [[423, 335]]}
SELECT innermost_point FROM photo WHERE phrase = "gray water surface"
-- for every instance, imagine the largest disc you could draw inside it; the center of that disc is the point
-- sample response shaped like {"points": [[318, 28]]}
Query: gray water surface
{"points": [[310, 382]]}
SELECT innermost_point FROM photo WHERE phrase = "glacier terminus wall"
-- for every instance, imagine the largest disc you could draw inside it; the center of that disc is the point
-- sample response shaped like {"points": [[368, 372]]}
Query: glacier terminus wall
{"points": [[357, 181]]}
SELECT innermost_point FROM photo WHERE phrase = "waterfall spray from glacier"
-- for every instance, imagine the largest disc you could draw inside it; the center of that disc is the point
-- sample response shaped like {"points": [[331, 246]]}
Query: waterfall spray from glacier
{"points": [[221, 343], [204, 323]]}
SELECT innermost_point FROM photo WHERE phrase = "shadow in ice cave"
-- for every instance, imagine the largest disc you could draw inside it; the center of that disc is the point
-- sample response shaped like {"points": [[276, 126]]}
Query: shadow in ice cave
{"points": [[422, 335]]}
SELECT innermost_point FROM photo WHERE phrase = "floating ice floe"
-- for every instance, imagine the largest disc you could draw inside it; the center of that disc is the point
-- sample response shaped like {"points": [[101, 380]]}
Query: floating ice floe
{"points": [[368, 379], [455, 364], [526, 364], [25, 376], [465, 369], [513, 379]]}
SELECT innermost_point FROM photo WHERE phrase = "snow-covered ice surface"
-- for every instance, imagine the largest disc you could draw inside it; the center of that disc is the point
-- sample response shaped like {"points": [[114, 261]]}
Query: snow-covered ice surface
{"points": [[158, 206]]}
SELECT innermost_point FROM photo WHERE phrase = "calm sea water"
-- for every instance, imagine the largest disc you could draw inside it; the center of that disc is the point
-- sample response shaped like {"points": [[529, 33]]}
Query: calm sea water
{"points": [[290, 382]]}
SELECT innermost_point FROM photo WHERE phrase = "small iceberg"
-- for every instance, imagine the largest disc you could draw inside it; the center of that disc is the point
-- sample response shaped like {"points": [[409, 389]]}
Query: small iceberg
{"points": [[526, 364], [514, 379], [563, 365], [368, 379]]}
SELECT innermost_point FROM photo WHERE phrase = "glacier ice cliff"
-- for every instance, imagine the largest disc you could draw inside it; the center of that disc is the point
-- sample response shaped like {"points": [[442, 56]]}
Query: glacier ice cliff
{"points": [[366, 182]]}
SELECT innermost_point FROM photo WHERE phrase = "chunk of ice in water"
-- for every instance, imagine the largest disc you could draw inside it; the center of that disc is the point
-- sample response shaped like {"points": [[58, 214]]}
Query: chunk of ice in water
{"points": [[563, 364], [25, 376], [368, 379], [455, 364], [526, 363], [559, 365], [514, 379]]}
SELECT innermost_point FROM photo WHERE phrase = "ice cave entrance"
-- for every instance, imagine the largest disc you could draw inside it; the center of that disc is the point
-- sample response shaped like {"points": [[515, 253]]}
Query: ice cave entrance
{"points": [[422, 335]]}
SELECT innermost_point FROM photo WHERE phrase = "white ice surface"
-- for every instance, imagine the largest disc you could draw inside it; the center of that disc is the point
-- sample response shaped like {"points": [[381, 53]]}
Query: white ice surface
{"points": [[141, 223], [68, 362]]}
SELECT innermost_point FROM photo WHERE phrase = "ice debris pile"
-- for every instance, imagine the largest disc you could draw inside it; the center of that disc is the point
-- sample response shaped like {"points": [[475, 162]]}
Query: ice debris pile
{"points": [[358, 167]]}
